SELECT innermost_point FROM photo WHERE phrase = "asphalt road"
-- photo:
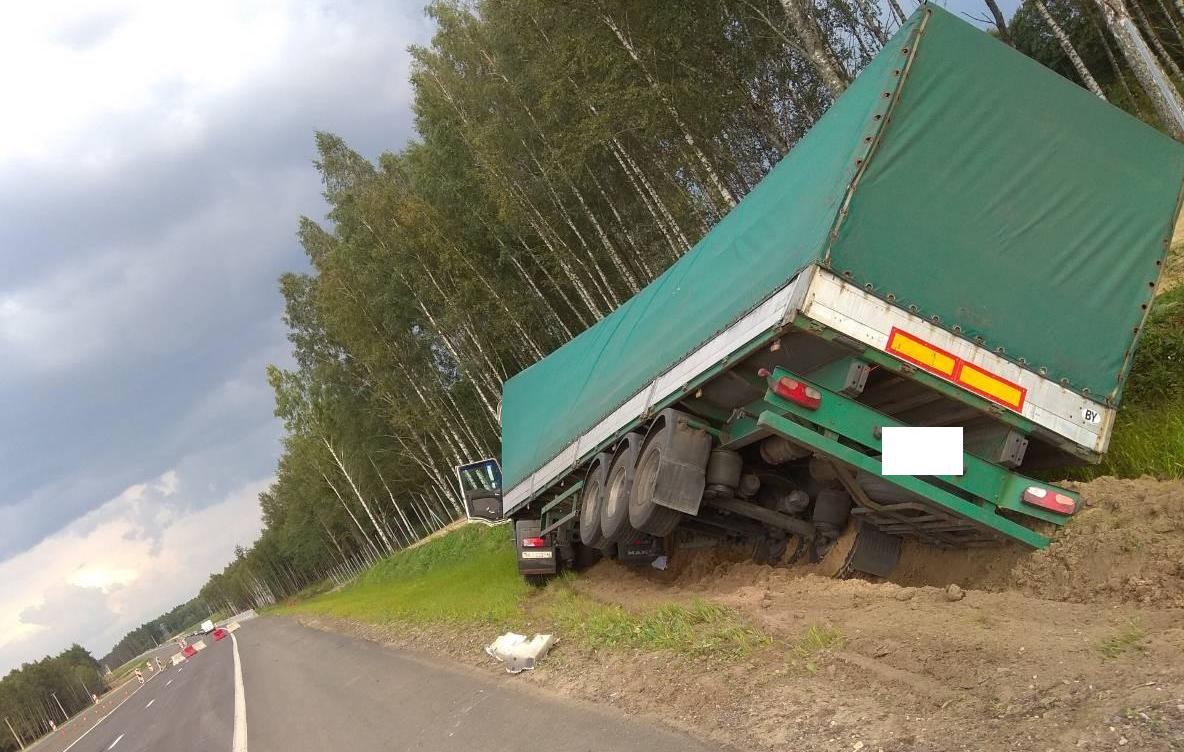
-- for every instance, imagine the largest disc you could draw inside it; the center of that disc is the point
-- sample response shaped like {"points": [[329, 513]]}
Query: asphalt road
{"points": [[304, 690], [69, 733]]}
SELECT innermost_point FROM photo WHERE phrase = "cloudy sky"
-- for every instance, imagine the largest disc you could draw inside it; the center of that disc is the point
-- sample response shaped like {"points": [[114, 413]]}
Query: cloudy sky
{"points": [[154, 158], [153, 162]]}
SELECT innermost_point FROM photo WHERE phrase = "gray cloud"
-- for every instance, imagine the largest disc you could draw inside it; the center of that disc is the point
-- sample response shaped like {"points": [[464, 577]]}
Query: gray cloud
{"points": [[90, 29], [139, 306], [133, 558], [136, 290], [85, 608]]}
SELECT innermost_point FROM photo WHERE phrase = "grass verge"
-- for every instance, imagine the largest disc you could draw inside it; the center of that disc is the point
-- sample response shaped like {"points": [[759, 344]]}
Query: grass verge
{"points": [[469, 577], [700, 629], [465, 577]]}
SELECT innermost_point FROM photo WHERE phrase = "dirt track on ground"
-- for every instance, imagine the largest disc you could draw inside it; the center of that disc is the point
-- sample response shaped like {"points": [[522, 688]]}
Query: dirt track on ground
{"points": [[1080, 646]]}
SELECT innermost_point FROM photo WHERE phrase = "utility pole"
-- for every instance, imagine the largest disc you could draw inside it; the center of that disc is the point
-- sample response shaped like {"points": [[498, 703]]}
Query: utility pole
{"points": [[14, 734], [59, 702]]}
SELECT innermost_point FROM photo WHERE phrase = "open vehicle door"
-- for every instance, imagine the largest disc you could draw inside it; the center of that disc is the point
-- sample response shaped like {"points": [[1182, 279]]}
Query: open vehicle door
{"points": [[481, 488]]}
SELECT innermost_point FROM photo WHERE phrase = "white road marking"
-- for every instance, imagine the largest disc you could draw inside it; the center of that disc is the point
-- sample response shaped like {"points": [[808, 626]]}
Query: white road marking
{"points": [[116, 741], [92, 728], [150, 703], [239, 742], [170, 681]]}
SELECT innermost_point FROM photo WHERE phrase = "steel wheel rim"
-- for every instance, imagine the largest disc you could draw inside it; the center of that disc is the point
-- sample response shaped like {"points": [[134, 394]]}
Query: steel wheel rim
{"points": [[592, 499], [645, 479], [616, 488]]}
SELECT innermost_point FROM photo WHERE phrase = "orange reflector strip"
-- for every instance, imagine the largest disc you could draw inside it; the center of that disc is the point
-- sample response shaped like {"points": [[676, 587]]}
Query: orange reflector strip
{"points": [[941, 363], [925, 355], [989, 385]]}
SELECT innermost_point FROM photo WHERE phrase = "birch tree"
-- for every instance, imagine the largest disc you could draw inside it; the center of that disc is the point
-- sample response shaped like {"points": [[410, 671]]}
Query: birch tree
{"points": [[1165, 98], [1066, 45]]}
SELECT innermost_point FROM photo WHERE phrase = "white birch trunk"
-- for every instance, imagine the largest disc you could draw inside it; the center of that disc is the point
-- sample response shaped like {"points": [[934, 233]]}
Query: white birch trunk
{"points": [[1126, 87], [712, 176], [1067, 46], [684, 243], [638, 256], [815, 47], [1163, 93], [1155, 41], [1172, 21], [350, 512], [598, 278], [365, 507], [539, 293]]}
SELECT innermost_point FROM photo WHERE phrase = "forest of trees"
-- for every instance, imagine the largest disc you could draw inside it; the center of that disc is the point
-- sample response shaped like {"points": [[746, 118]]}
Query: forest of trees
{"points": [[566, 154], [30, 695], [148, 636]]}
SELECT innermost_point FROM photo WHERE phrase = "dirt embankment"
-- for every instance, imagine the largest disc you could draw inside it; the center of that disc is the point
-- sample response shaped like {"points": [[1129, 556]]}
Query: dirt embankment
{"points": [[1126, 544], [1080, 646]]}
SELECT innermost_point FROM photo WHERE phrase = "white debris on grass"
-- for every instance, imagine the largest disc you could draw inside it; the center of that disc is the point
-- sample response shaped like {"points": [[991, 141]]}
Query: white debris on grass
{"points": [[659, 563], [518, 652]]}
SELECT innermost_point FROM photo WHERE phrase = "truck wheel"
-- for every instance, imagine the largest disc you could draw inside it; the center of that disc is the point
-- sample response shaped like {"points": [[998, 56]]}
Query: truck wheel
{"points": [[644, 514], [614, 513], [591, 500]]}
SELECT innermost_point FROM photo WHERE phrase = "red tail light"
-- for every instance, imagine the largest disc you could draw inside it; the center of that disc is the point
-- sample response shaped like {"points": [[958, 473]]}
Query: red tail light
{"points": [[798, 393], [534, 542], [1050, 500]]}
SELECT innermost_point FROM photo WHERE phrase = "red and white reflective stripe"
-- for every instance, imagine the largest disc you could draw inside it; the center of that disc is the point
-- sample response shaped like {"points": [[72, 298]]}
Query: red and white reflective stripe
{"points": [[534, 542], [1050, 500], [965, 374]]}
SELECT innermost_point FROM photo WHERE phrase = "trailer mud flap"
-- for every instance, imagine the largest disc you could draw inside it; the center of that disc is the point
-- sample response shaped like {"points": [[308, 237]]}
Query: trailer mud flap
{"points": [[875, 552], [682, 461]]}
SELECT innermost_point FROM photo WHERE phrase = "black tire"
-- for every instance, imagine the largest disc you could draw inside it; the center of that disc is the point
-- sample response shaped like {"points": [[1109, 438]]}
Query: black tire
{"points": [[644, 514], [832, 507], [591, 500], [614, 512]]}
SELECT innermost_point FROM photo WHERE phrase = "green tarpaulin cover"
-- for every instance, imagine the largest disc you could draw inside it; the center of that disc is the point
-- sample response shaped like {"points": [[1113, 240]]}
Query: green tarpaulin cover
{"points": [[954, 174]]}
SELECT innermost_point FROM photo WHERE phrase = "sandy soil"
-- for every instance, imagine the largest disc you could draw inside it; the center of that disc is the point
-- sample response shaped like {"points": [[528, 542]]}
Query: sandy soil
{"points": [[1075, 647]]}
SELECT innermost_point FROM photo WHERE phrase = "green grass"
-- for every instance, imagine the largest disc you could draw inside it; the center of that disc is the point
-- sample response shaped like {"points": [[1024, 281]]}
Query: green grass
{"points": [[1129, 637], [700, 629], [1147, 441], [469, 577], [465, 577], [1148, 436], [818, 639]]}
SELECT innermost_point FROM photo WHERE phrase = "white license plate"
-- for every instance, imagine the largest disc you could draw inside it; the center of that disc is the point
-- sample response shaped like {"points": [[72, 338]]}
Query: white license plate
{"points": [[537, 554]]}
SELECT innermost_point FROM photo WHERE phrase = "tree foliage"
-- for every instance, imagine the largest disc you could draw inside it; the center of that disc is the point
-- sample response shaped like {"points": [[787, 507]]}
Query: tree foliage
{"points": [[27, 694], [1101, 53], [151, 634]]}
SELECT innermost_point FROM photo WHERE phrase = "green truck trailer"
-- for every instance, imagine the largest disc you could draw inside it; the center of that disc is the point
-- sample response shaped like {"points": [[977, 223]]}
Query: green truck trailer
{"points": [[964, 240]]}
